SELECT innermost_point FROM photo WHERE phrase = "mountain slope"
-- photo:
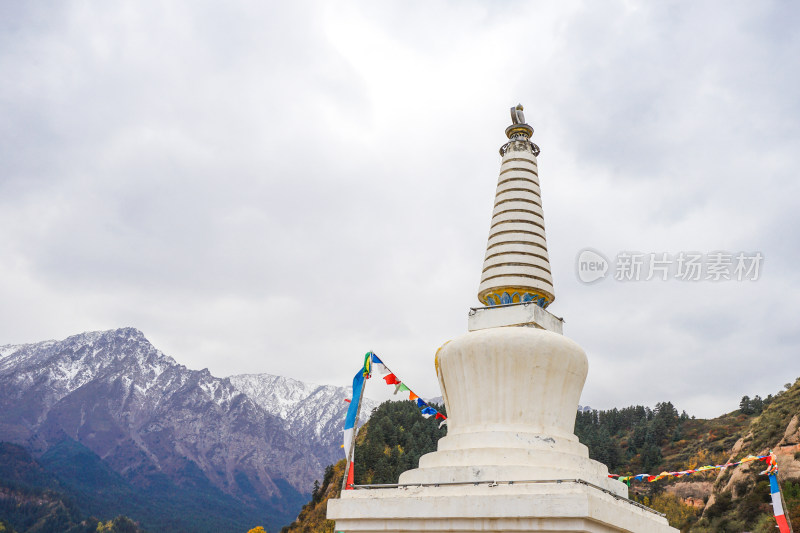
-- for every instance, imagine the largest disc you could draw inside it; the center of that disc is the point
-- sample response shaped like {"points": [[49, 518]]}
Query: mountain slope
{"points": [[32, 500], [313, 517], [153, 421], [313, 413], [636, 440], [737, 499]]}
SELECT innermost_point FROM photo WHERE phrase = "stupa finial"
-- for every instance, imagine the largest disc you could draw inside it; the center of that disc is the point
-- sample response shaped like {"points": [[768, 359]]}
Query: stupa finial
{"points": [[517, 115], [519, 130]]}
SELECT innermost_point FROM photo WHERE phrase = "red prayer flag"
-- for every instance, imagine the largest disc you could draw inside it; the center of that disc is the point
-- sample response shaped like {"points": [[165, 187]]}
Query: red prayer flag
{"points": [[351, 474], [391, 379], [439, 415], [412, 396]]}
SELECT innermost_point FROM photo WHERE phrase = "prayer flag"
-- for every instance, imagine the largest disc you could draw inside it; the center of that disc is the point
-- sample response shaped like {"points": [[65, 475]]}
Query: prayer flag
{"points": [[777, 504], [352, 412], [351, 474], [367, 364], [377, 365]]}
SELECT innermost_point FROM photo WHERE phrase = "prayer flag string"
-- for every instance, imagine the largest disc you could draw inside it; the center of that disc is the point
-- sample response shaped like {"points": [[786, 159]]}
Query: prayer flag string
{"points": [[650, 478], [391, 379], [373, 363], [771, 471]]}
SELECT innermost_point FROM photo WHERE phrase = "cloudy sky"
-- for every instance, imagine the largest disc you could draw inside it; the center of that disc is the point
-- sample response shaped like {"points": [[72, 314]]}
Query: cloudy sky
{"points": [[280, 187]]}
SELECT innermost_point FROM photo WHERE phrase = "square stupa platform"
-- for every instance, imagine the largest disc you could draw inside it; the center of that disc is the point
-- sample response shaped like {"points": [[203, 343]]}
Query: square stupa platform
{"points": [[552, 507]]}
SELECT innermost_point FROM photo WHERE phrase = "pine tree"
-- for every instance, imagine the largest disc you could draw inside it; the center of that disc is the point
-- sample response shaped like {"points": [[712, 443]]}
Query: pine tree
{"points": [[745, 406]]}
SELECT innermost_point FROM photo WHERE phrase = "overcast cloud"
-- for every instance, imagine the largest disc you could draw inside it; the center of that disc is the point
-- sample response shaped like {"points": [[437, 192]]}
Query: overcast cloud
{"points": [[280, 187]]}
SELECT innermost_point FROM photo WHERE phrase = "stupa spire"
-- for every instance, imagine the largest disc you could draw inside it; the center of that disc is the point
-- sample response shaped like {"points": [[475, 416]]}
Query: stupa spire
{"points": [[517, 268]]}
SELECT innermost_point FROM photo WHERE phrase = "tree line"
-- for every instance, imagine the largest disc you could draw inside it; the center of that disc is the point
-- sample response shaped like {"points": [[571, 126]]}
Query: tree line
{"points": [[646, 431]]}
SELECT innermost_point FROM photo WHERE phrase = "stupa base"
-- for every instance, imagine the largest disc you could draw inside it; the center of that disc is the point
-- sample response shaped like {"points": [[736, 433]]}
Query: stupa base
{"points": [[567, 506], [497, 456]]}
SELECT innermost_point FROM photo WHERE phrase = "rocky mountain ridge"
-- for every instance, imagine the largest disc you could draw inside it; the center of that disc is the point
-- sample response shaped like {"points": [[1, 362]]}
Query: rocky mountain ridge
{"points": [[313, 413], [258, 439]]}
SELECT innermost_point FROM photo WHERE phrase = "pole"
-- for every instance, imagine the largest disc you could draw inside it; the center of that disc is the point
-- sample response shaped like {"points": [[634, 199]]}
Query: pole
{"points": [[348, 467], [783, 504]]}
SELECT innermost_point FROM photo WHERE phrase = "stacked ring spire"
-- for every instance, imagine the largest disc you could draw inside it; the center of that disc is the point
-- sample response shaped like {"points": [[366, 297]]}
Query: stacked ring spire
{"points": [[516, 268]]}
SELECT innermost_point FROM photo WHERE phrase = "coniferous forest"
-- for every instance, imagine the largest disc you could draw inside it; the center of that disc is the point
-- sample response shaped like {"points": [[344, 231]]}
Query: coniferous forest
{"points": [[396, 436], [69, 489]]}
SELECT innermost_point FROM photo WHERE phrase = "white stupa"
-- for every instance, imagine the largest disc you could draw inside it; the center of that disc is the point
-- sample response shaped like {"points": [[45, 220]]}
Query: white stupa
{"points": [[510, 460]]}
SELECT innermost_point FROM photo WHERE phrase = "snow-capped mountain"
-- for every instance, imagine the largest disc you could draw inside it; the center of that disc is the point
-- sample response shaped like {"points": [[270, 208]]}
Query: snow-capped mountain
{"points": [[252, 437], [313, 413]]}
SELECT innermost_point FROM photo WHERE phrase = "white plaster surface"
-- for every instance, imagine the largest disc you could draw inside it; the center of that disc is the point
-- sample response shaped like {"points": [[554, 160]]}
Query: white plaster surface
{"points": [[521, 379], [548, 507], [511, 395], [516, 240], [516, 201], [513, 315], [505, 213]]}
